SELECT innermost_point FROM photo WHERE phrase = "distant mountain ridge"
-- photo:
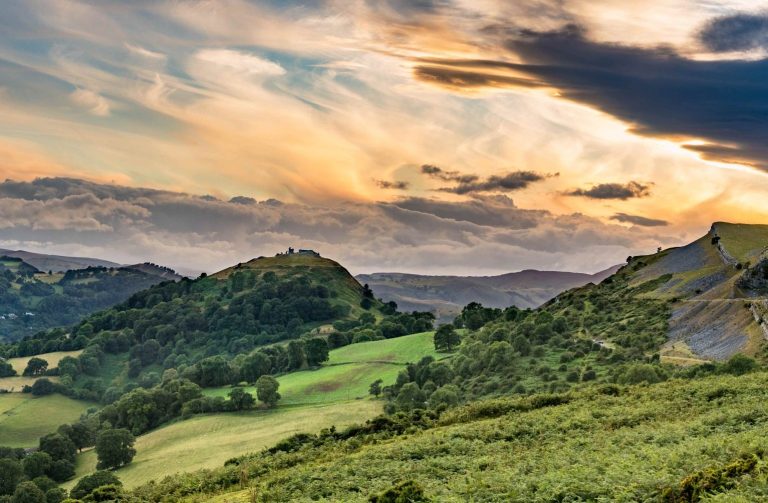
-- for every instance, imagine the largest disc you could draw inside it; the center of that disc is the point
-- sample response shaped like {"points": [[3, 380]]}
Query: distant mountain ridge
{"points": [[56, 263], [446, 295]]}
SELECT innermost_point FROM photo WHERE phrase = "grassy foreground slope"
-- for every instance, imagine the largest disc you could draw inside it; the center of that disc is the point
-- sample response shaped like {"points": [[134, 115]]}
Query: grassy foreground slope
{"points": [[24, 418], [700, 440], [208, 441], [335, 394]]}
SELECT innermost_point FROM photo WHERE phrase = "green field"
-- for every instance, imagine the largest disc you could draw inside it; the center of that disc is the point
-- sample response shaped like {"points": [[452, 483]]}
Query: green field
{"points": [[53, 359], [349, 371], [16, 383], [335, 394], [24, 418], [208, 441]]}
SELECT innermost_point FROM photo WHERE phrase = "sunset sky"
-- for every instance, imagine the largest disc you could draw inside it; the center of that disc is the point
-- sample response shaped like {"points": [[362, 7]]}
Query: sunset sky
{"points": [[433, 136]]}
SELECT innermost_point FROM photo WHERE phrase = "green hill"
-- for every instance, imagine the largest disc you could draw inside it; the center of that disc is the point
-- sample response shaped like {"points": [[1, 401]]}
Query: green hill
{"points": [[24, 418], [32, 300], [714, 315], [698, 440], [334, 394]]}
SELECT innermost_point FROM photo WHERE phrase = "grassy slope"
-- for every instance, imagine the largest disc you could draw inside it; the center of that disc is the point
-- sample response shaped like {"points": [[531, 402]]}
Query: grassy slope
{"points": [[597, 447], [53, 359], [744, 242], [208, 441], [349, 371], [24, 418], [311, 400]]}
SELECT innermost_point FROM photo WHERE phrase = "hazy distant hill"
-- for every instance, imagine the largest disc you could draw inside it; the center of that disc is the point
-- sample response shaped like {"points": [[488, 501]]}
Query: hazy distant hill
{"points": [[56, 263], [446, 295], [34, 299]]}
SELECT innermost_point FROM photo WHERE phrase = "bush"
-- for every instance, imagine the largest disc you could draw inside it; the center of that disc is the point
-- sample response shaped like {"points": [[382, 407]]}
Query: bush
{"points": [[89, 483]]}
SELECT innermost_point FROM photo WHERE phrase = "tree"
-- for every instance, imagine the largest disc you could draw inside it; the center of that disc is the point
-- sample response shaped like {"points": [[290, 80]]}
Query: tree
{"points": [[114, 448], [89, 483], [375, 388], [266, 390], [240, 399], [446, 338], [55, 495], [740, 364], [81, 434], [37, 464], [28, 492], [42, 387], [447, 396], [297, 355], [35, 367], [6, 369], [12, 474], [521, 345], [316, 350], [255, 366], [59, 447], [410, 397]]}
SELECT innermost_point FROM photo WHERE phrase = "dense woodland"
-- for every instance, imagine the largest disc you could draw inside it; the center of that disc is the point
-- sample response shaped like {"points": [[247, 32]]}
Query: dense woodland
{"points": [[32, 300]]}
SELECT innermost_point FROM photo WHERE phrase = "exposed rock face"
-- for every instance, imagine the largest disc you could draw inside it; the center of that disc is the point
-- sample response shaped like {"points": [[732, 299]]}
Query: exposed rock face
{"points": [[755, 279]]}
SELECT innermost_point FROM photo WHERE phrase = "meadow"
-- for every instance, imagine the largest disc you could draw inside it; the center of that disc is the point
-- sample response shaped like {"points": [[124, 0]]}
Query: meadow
{"points": [[53, 359], [349, 371], [334, 395], [24, 418], [208, 441]]}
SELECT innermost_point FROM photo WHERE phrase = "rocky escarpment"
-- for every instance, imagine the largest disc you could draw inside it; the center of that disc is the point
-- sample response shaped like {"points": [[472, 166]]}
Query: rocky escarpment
{"points": [[755, 279]]}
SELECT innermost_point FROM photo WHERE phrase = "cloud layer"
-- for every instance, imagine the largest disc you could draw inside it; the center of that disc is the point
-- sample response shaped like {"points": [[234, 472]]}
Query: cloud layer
{"points": [[482, 235]]}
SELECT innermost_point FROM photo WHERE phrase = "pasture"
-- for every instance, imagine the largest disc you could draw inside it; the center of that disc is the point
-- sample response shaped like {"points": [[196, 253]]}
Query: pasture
{"points": [[24, 418], [208, 441]]}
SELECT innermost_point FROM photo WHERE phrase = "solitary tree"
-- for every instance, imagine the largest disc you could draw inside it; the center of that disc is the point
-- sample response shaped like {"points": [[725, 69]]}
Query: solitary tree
{"points": [[35, 367], [446, 338], [114, 448], [266, 390], [375, 388]]}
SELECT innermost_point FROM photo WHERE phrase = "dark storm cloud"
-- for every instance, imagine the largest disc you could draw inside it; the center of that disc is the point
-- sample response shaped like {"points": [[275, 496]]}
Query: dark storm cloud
{"points": [[395, 185], [638, 220], [739, 32], [613, 191], [656, 90]]}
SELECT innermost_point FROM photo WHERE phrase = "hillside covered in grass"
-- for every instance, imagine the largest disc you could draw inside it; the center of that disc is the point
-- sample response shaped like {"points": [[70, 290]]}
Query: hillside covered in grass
{"points": [[334, 394], [699, 440]]}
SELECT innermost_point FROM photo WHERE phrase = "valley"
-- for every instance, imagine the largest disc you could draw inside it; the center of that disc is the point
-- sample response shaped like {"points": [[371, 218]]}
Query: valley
{"points": [[168, 365]]}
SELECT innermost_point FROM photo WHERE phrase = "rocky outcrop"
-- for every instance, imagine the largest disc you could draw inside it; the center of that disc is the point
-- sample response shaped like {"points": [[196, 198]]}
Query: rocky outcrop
{"points": [[759, 310], [755, 279], [727, 258]]}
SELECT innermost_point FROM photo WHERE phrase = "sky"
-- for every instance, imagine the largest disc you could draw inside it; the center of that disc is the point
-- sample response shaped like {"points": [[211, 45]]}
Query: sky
{"points": [[427, 136]]}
